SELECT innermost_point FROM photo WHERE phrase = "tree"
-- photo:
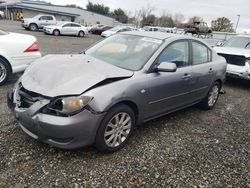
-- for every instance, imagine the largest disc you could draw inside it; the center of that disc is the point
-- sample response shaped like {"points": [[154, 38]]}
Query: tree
{"points": [[222, 24], [179, 19], [147, 16], [165, 20], [120, 15], [98, 8]]}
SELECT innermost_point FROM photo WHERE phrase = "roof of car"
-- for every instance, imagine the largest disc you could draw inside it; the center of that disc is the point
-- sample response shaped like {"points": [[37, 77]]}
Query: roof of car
{"points": [[156, 35]]}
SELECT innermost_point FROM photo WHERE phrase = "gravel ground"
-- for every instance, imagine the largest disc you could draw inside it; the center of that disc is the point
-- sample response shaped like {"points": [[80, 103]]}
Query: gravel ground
{"points": [[189, 148]]}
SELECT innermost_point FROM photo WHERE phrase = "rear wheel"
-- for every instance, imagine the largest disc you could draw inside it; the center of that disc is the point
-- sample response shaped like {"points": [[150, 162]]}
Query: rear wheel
{"points": [[33, 27], [115, 129], [210, 100], [56, 32], [81, 34], [4, 71]]}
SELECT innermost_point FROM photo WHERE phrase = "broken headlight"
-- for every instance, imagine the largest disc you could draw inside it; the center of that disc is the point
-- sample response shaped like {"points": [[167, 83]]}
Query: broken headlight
{"points": [[69, 105]]}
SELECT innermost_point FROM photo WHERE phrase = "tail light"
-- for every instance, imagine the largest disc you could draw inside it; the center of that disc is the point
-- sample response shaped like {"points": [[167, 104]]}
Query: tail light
{"points": [[33, 48]]}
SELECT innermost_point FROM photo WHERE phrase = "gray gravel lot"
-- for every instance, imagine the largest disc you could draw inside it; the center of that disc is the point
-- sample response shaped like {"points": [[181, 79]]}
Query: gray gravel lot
{"points": [[189, 148]]}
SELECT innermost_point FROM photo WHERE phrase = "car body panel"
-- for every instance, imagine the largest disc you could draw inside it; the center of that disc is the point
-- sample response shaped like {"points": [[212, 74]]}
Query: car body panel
{"points": [[39, 22], [238, 60], [66, 30], [148, 92], [18, 59], [52, 78]]}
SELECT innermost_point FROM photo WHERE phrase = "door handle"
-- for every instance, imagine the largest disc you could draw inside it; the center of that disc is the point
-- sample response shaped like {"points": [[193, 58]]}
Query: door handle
{"points": [[211, 70], [186, 76]]}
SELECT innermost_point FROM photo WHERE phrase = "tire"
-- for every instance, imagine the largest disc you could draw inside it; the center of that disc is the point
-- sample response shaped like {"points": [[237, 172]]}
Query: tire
{"points": [[117, 135], [33, 27], [81, 34], [211, 98], [4, 71], [56, 32]]}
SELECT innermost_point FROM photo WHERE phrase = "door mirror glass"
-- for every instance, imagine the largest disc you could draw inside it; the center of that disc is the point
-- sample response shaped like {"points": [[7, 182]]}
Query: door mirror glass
{"points": [[166, 67]]}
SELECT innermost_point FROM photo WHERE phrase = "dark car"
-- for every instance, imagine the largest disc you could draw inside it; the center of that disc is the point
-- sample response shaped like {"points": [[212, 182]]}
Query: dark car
{"points": [[99, 30]]}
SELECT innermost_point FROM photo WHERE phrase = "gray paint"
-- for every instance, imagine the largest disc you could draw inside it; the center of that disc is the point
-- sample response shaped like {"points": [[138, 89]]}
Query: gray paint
{"points": [[153, 93]]}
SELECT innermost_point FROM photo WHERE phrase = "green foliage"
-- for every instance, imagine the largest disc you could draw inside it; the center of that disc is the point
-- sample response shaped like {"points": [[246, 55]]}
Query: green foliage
{"points": [[98, 8], [222, 24], [120, 15]]}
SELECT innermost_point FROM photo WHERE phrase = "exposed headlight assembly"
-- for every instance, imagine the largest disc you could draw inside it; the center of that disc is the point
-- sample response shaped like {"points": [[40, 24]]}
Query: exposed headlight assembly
{"points": [[69, 105]]}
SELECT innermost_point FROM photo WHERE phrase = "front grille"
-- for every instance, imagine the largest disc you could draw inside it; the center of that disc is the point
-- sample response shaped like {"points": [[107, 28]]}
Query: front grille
{"points": [[235, 60], [28, 98]]}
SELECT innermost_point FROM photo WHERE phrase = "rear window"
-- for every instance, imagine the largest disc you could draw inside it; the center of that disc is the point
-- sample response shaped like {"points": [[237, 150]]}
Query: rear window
{"points": [[3, 32]]}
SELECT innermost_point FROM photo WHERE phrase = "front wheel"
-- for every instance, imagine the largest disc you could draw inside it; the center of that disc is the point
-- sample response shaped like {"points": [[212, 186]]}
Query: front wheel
{"points": [[4, 71], [115, 129], [81, 34], [33, 27], [56, 32], [212, 97]]}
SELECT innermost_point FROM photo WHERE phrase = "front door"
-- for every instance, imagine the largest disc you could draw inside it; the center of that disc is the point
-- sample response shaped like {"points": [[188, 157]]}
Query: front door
{"points": [[167, 91]]}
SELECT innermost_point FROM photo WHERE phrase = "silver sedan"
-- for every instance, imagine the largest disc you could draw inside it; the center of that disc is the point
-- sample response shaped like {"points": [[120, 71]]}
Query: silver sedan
{"points": [[66, 28], [99, 96]]}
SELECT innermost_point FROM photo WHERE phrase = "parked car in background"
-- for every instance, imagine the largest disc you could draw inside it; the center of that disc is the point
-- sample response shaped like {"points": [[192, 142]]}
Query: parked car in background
{"points": [[38, 22], [214, 42], [17, 52], [66, 28], [117, 29], [99, 96], [166, 30], [1, 14], [99, 30], [236, 51], [150, 28]]}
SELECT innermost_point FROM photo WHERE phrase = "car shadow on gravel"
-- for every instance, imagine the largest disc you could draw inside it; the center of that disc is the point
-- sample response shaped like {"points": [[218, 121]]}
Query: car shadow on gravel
{"points": [[238, 83]]}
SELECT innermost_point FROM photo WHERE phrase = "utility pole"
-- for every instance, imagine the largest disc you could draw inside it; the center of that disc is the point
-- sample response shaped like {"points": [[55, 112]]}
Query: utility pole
{"points": [[237, 22]]}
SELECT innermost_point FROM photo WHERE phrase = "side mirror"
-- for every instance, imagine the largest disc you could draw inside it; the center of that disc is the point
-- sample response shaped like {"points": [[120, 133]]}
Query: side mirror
{"points": [[166, 67]]}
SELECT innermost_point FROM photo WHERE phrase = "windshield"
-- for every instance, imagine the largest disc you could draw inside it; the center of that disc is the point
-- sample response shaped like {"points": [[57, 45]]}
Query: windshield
{"points": [[125, 51], [238, 42], [3, 32]]}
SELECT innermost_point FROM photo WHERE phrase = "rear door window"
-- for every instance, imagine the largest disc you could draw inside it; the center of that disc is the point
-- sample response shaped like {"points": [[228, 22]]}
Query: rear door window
{"points": [[201, 53]]}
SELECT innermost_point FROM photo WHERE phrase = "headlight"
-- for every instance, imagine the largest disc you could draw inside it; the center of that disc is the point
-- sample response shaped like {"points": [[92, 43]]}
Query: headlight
{"points": [[69, 105]]}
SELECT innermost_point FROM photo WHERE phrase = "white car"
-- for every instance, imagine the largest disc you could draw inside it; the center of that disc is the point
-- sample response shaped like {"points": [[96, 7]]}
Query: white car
{"points": [[38, 22], [17, 52], [1, 14], [117, 29], [66, 28], [236, 51]]}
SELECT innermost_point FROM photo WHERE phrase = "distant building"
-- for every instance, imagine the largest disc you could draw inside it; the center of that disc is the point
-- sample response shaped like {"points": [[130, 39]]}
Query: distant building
{"points": [[62, 13]]}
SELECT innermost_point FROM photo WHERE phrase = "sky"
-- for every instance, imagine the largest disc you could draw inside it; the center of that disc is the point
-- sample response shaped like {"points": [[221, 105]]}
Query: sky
{"points": [[207, 9]]}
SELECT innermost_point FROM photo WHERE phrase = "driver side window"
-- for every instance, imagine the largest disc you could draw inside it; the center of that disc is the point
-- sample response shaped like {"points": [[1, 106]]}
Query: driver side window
{"points": [[177, 52]]}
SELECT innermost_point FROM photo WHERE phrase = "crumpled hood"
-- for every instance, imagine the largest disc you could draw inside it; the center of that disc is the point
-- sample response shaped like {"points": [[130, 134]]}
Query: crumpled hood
{"points": [[233, 51], [58, 75]]}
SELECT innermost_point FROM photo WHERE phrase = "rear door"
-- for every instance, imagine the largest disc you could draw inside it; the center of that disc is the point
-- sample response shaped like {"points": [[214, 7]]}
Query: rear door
{"points": [[203, 69], [66, 29], [75, 28]]}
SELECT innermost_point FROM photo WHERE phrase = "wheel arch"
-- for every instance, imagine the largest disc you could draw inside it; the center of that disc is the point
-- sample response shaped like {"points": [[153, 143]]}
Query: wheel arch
{"points": [[6, 61], [130, 104]]}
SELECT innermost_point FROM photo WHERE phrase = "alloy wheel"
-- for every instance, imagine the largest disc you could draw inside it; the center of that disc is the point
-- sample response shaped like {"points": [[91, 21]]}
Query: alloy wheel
{"points": [[3, 72], [213, 95], [117, 129]]}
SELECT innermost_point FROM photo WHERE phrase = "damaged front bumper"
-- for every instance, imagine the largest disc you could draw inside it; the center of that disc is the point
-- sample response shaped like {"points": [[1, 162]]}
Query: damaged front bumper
{"points": [[62, 132], [242, 72]]}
